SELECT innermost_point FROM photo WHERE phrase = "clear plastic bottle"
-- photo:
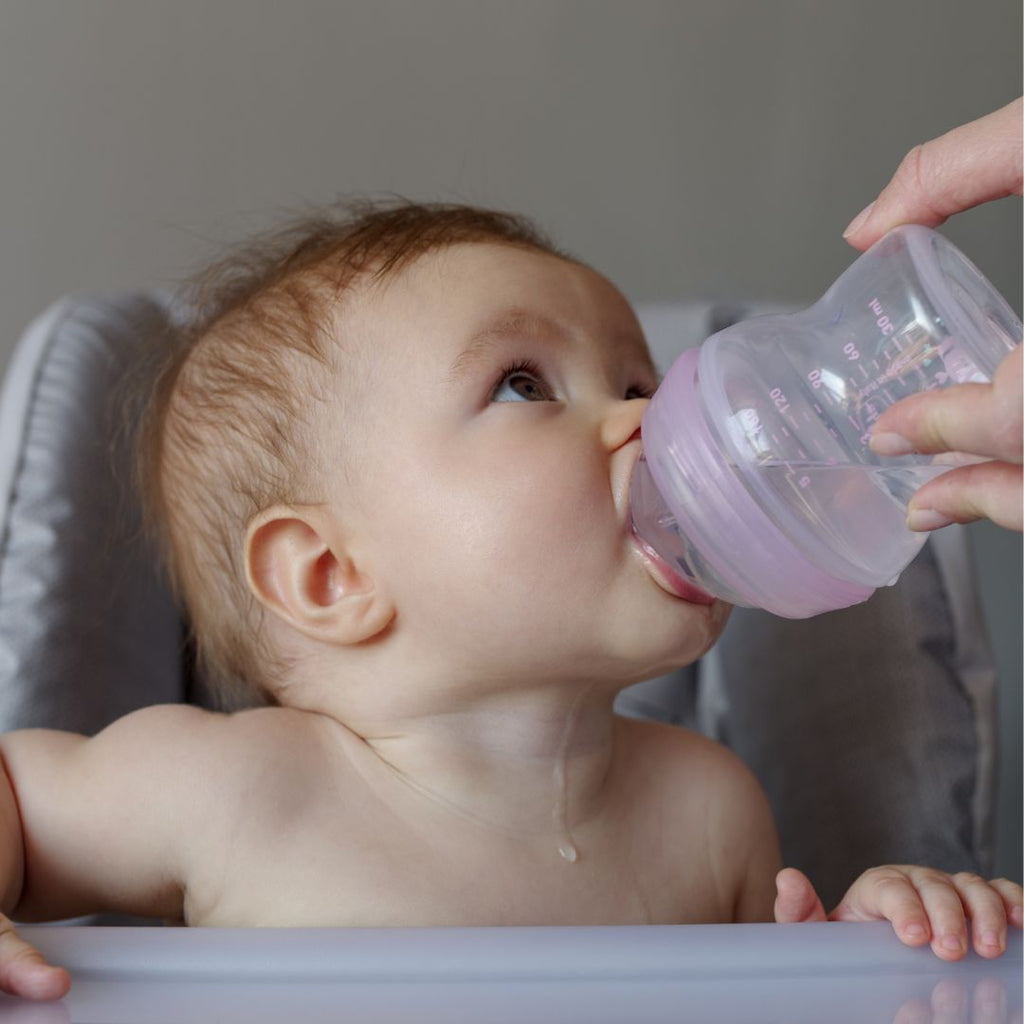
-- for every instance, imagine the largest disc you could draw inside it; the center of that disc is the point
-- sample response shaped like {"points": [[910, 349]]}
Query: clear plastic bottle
{"points": [[757, 484]]}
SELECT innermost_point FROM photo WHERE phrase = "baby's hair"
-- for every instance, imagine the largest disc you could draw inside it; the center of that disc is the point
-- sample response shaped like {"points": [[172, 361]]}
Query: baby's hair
{"points": [[228, 428]]}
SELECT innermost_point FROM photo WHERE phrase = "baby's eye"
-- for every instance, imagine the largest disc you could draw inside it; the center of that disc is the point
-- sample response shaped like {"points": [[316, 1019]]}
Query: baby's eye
{"points": [[641, 391], [522, 384]]}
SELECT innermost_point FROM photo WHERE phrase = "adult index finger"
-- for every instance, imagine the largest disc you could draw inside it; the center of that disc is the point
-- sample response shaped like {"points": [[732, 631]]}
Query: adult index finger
{"points": [[967, 166]]}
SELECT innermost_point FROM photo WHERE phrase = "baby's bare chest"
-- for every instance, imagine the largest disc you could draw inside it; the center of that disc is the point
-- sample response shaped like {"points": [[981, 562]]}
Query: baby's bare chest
{"points": [[356, 863]]}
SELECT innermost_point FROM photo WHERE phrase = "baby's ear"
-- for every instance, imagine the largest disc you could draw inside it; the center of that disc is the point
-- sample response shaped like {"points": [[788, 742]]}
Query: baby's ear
{"points": [[313, 583]]}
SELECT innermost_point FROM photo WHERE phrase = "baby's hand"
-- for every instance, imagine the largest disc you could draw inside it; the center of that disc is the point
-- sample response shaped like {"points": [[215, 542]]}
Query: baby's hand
{"points": [[923, 905], [24, 972]]}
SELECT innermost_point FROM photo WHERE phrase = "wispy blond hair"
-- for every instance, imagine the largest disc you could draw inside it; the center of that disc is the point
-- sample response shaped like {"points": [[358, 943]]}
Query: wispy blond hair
{"points": [[229, 427]]}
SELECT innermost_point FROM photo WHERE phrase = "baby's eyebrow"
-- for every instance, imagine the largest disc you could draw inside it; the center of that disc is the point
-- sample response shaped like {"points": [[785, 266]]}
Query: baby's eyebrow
{"points": [[518, 323], [510, 323]]}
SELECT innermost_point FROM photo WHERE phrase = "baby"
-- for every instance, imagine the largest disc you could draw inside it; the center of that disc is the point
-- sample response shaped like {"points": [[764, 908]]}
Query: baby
{"points": [[389, 471]]}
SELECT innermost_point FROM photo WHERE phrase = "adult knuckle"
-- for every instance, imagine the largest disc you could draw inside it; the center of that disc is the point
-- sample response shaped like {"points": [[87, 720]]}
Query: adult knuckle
{"points": [[1007, 430], [908, 170], [916, 175]]}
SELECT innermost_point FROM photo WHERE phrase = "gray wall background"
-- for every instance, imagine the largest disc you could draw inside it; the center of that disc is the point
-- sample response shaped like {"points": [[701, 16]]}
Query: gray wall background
{"points": [[710, 148]]}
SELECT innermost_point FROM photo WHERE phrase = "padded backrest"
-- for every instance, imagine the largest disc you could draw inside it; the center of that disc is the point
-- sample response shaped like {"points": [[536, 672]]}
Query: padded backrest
{"points": [[871, 728], [87, 632]]}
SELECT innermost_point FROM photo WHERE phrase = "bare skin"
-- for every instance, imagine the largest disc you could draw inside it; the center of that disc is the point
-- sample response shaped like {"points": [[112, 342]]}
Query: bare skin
{"points": [[458, 614], [283, 818]]}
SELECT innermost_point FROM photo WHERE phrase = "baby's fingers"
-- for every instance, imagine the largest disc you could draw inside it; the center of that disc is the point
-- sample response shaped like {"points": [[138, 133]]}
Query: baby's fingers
{"points": [[944, 903], [1013, 900], [985, 906], [887, 893], [795, 900], [24, 972]]}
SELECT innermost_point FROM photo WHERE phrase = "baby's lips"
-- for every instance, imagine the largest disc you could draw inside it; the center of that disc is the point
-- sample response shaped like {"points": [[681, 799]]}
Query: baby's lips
{"points": [[669, 579]]}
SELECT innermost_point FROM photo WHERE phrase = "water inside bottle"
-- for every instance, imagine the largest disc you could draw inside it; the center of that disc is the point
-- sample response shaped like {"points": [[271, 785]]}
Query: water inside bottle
{"points": [[858, 510]]}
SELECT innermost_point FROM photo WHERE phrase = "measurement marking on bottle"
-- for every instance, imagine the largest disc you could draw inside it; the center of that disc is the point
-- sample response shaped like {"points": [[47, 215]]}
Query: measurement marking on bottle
{"points": [[865, 372]]}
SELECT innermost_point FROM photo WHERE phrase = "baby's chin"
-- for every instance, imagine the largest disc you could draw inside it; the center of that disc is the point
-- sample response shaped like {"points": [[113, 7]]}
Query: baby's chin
{"points": [[713, 623], [682, 640]]}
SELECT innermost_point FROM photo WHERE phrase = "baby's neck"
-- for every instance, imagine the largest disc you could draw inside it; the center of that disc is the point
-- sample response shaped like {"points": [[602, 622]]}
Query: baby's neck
{"points": [[535, 763]]}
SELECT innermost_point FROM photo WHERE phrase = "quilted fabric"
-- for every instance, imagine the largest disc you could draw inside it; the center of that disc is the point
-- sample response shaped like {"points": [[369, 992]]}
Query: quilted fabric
{"points": [[87, 632]]}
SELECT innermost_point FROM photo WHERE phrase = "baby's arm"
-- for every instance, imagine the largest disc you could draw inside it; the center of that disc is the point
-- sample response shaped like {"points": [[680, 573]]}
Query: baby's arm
{"points": [[93, 824], [923, 904], [750, 831], [23, 971], [727, 807]]}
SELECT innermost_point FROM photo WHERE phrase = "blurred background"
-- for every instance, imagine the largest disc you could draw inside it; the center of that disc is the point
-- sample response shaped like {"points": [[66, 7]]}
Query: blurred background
{"points": [[705, 149]]}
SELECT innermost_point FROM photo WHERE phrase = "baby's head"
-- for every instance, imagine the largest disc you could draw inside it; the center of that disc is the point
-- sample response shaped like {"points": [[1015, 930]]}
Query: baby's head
{"points": [[404, 435]]}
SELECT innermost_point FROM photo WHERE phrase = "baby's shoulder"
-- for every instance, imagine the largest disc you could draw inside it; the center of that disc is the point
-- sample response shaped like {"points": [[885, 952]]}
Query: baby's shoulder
{"points": [[696, 796], [664, 750], [215, 747], [688, 771]]}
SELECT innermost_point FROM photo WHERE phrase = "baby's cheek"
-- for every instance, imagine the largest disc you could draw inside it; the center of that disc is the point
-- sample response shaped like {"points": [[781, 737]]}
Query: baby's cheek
{"points": [[544, 510]]}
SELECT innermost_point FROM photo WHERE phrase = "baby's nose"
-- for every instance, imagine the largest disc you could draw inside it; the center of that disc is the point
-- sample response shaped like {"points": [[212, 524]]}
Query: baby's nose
{"points": [[622, 423]]}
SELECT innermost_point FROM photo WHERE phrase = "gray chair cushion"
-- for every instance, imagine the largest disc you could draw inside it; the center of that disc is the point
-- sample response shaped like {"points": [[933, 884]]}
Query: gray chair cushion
{"points": [[871, 728], [87, 633], [862, 727]]}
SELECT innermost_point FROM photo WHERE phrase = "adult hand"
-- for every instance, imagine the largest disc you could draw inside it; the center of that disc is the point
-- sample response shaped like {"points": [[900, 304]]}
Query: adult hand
{"points": [[967, 166], [983, 420], [963, 168]]}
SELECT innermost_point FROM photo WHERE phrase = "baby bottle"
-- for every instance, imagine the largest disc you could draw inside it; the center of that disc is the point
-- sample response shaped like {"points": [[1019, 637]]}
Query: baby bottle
{"points": [[756, 483]]}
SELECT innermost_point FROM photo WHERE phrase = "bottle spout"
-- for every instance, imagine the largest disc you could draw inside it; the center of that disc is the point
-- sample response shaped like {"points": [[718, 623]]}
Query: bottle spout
{"points": [[660, 540]]}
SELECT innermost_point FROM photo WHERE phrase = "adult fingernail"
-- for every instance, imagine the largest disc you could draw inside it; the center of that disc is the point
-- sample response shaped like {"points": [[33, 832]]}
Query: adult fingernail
{"points": [[923, 519], [859, 221], [890, 444]]}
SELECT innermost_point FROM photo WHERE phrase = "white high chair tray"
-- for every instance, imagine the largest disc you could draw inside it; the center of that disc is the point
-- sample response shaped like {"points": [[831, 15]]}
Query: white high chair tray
{"points": [[857, 973]]}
